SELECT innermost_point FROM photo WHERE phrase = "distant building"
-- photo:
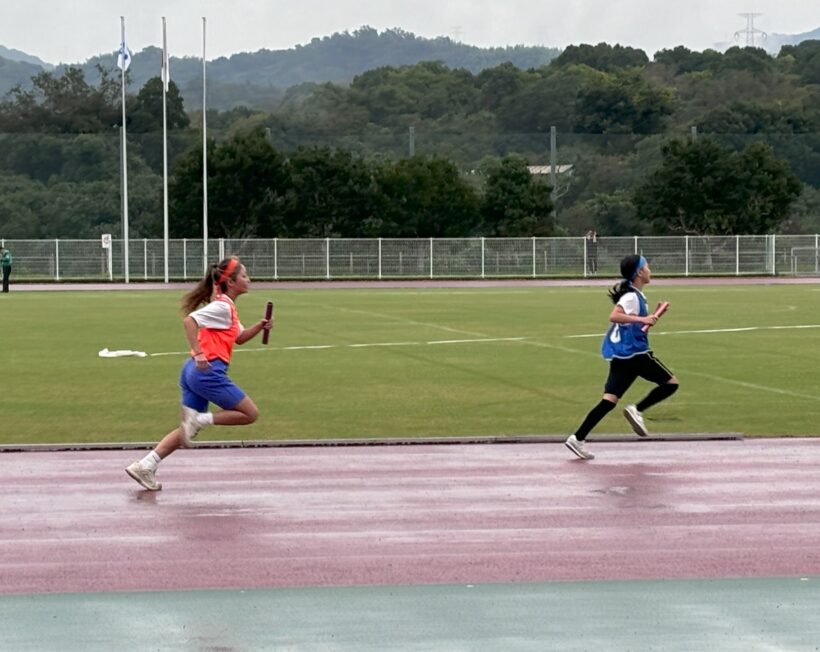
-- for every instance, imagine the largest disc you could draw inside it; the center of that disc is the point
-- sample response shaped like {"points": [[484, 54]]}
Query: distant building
{"points": [[542, 170]]}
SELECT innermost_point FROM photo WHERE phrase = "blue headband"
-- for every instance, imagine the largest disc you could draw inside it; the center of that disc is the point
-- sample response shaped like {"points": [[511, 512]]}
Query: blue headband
{"points": [[641, 265]]}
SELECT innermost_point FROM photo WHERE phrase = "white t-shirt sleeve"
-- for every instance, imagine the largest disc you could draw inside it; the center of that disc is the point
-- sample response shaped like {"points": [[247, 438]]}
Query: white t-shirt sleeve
{"points": [[216, 315], [629, 303]]}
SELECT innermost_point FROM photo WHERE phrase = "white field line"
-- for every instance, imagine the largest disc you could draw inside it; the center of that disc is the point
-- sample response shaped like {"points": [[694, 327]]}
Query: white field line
{"points": [[411, 322], [761, 388], [744, 329], [483, 340], [474, 337]]}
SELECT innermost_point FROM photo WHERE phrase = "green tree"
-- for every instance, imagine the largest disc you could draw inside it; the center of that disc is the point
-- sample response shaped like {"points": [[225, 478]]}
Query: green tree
{"points": [[242, 172], [547, 98], [610, 214], [426, 198], [144, 112], [498, 84], [603, 57], [703, 188], [683, 60], [791, 128], [327, 193], [515, 203], [806, 57], [428, 90], [754, 60], [62, 104], [622, 102]]}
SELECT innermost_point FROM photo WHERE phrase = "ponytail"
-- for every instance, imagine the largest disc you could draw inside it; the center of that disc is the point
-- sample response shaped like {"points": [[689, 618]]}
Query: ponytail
{"points": [[619, 289], [216, 278], [630, 266]]}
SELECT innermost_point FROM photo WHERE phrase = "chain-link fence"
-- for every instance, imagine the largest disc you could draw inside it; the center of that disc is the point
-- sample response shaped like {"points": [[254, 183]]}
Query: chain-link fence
{"points": [[382, 258]]}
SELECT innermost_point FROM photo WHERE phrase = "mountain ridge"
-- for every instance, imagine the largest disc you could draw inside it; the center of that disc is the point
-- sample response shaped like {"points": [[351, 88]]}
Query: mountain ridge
{"points": [[337, 58], [259, 79]]}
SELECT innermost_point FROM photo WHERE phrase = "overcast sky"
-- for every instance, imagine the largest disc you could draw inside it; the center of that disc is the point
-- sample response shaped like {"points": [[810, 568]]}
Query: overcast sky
{"points": [[73, 31]]}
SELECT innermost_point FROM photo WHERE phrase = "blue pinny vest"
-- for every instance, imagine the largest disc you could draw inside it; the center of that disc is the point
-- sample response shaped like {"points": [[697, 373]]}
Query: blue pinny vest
{"points": [[626, 340]]}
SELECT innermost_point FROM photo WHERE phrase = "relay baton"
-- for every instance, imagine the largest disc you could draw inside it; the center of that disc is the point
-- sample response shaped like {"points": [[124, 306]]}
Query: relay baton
{"points": [[268, 316], [663, 306]]}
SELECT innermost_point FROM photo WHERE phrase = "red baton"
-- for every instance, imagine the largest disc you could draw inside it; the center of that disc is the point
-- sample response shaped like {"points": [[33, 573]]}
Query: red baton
{"points": [[268, 317], [663, 306]]}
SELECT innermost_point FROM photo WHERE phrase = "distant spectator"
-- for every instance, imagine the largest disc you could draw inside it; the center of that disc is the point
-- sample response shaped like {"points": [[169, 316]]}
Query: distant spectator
{"points": [[592, 251], [5, 261]]}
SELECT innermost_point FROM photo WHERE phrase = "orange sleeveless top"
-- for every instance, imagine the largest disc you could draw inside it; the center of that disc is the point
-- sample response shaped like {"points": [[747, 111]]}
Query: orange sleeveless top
{"points": [[218, 343]]}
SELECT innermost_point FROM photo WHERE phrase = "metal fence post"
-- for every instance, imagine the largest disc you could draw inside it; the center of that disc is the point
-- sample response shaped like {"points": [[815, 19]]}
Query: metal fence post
{"points": [[534, 273], [586, 262], [482, 256], [327, 258], [380, 259], [774, 253], [56, 260], [431, 257]]}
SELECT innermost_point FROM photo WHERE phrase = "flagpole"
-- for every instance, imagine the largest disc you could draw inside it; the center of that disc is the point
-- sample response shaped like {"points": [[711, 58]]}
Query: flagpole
{"points": [[165, 79], [204, 158], [124, 156]]}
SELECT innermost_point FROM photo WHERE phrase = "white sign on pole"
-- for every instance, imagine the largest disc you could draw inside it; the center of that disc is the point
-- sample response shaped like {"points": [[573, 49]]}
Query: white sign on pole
{"points": [[106, 241]]}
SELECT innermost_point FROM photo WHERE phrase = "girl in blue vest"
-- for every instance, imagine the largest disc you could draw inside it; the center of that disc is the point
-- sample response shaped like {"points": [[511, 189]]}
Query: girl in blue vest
{"points": [[626, 347]]}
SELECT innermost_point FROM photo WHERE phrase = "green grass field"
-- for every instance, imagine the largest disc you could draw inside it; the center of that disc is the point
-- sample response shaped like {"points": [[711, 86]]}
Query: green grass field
{"points": [[55, 388]]}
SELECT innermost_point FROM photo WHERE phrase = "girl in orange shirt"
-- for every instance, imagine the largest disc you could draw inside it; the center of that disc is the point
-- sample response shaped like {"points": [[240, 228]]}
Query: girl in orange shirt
{"points": [[212, 331]]}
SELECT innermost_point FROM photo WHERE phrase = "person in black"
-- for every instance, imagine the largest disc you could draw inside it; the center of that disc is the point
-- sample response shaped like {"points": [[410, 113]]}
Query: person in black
{"points": [[5, 262], [592, 251]]}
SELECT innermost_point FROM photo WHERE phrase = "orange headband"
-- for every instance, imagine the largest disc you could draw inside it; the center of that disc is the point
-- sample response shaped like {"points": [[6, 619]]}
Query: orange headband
{"points": [[229, 269]]}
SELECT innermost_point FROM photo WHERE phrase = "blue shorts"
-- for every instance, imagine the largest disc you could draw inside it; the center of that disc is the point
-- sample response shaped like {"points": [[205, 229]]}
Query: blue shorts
{"points": [[210, 386]]}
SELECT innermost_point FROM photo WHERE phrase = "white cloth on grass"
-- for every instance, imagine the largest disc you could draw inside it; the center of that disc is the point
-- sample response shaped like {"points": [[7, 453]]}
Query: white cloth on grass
{"points": [[122, 353]]}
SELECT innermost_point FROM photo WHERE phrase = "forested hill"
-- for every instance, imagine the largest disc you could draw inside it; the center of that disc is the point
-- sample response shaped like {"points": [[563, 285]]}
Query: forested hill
{"points": [[260, 78], [16, 72], [17, 55]]}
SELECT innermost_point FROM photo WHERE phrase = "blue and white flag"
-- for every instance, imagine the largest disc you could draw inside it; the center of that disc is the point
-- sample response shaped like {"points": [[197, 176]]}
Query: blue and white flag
{"points": [[123, 57]]}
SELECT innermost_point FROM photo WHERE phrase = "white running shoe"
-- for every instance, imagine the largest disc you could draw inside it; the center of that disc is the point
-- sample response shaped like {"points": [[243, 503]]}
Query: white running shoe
{"points": [[190, 426], [143, 476], [577, 447], [635, 420]]}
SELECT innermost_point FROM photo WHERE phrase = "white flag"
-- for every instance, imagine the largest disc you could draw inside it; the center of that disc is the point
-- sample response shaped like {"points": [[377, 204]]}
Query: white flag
{"points": [[124, 57], [166, 68]]}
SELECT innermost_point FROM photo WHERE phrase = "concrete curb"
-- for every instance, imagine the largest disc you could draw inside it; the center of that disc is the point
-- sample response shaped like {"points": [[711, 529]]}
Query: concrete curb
{"points": [[420, 441]]}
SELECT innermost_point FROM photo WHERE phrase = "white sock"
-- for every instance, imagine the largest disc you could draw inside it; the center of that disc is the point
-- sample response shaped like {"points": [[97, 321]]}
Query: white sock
{"points": [[150, 461], [205, 419]]}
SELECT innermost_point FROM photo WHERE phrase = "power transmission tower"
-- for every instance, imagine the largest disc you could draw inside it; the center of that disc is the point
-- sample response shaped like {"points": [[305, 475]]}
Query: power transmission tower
{"points": [[751, 31]]}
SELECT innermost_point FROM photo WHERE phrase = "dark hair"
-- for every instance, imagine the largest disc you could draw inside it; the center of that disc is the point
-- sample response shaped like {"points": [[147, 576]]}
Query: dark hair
{"points": [[204, 290], [629, 267]]}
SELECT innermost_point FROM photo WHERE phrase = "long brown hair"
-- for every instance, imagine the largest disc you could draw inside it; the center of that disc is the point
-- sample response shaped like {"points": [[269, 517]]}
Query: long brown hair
{"points": [[204, 290]]}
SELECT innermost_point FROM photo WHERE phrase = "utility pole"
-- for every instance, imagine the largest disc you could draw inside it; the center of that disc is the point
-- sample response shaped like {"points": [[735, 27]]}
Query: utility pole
{"points": [[750, 32]]}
